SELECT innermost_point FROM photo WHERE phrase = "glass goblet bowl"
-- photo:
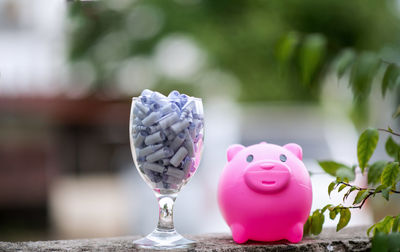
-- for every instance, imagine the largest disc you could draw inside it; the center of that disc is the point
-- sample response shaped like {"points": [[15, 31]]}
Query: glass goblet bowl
{"points": [[166, 137]]}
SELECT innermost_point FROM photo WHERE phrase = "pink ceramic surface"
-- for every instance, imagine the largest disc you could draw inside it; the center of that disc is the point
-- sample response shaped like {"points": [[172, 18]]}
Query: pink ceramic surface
{"points": [[265, 192]]}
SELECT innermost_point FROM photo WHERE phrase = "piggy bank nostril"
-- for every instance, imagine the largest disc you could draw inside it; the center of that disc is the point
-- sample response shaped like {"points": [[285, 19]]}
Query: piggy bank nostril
{"points": [[266, 166]]}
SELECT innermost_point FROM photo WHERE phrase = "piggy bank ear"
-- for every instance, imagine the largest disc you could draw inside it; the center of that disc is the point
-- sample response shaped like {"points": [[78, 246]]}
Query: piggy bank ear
{"points": [[295, 149], [233, 150]]}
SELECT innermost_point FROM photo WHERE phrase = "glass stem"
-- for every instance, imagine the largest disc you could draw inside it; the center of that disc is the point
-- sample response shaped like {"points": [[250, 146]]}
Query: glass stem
{"points": [[166, 212]]}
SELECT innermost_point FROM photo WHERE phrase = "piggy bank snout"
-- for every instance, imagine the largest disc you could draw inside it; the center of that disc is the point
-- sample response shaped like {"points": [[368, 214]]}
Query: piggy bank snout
{"points": [[267, 176], [266, 165]]}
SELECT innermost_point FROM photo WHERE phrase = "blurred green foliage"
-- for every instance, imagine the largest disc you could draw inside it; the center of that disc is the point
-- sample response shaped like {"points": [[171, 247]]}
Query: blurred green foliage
{"points": [[256, 40]]}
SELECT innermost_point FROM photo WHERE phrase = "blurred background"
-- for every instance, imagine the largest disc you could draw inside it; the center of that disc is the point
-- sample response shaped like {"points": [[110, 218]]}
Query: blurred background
{"points": [[68, 70]]}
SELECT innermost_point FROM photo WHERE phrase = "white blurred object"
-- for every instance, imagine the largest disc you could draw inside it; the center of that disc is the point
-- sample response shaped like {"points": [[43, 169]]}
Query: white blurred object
{"points": [[91, 206], [31, 47], [135, 75], [221, 83], [178, 57]]}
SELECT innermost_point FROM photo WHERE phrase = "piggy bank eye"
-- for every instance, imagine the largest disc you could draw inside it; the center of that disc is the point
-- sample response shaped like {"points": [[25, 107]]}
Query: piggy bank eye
{"points": [[283, 158], [249, 158]]}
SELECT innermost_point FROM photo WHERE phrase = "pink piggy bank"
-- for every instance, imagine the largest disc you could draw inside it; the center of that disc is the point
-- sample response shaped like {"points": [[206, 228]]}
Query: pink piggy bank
{"points": [[265, 192]]}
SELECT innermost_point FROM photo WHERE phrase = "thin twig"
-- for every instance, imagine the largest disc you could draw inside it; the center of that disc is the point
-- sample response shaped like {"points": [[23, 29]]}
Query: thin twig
{"points": [[369, 189], [362, 202], [391, 132]]}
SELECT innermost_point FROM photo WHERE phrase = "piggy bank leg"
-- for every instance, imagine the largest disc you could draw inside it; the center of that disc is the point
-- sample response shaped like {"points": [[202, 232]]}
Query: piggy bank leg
{"points": [[239, 233], [296, 233]]}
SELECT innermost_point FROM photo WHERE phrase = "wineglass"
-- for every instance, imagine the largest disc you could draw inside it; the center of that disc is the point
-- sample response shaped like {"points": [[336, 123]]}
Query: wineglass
{"points": [[166, 137]]}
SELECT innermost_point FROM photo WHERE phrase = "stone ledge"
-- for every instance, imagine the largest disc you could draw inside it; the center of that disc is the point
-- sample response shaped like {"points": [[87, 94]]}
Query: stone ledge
{"points": [[350, 239]]}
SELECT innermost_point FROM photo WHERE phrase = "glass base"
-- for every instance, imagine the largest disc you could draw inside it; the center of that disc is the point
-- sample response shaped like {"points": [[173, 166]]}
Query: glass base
{"points": [[164, 240]]}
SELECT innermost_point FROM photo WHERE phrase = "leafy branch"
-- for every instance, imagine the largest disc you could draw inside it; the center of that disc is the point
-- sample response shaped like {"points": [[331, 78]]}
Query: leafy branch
{"points": [[385, 175]]}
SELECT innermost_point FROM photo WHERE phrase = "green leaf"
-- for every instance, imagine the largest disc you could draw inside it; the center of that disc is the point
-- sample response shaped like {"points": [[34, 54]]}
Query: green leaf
{"points": [[391, 78], [317, 222], [333, 213], [384, 225], [346, 173], [379, 243], [370, 228], [395, 225], [348, 192], [326, 207], [389, 174], [394, 241], [307, 226], [345, 216], [330, 167], [342, 187], [379, 189], [333, 168], [385, 193], [382, 242], [362, 73], [385, 242], [375, 171], [361, 195], [343, 61], [286, 48], [366, 146], [397, 113], [331, 187], [311, 53], [392, 148]]}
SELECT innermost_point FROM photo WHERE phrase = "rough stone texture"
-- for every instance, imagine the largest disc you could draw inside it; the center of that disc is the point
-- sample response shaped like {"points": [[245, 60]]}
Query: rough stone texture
{"points": [[351, 239]]}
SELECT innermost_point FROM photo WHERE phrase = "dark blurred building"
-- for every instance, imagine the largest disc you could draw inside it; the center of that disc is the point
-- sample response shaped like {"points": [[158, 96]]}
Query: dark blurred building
{"points": [[42, 138]]}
